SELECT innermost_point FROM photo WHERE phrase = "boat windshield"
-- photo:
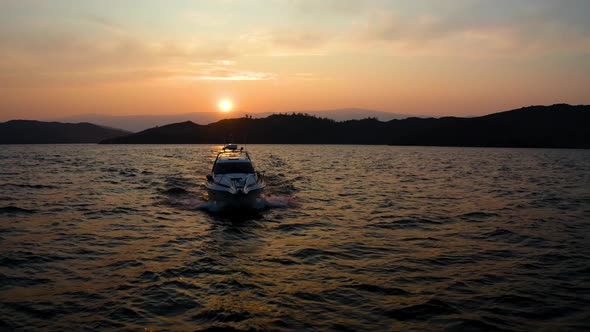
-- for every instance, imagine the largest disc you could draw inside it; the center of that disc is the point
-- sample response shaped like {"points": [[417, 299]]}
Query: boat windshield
{"points": [[237, 167]]}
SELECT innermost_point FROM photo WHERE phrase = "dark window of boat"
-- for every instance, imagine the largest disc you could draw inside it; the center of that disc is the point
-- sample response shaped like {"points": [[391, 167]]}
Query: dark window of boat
{"points": [[226, 168]]}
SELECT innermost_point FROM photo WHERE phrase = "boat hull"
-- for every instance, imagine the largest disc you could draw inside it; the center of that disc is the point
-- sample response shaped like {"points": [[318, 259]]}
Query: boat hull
{"points": [[242, 200]]}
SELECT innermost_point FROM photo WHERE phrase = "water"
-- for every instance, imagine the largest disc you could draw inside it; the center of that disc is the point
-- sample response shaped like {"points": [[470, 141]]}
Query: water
{"points": [[348, 238]]}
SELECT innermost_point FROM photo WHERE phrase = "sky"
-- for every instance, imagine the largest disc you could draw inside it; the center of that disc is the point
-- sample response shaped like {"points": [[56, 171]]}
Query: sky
{"points": [[457, 57]]}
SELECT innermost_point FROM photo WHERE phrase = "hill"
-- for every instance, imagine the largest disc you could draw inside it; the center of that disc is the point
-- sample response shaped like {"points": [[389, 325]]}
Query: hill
{"points": [[559, 126], [136, 123], [556, 126], [38, 132]]}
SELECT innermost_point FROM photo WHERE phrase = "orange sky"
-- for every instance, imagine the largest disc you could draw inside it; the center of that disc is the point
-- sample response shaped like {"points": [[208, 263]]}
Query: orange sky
{"points": [[465, 57]]}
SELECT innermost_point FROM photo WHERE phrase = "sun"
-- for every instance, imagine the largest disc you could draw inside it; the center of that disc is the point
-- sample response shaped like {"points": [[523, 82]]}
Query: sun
{"points": [[225, 105]]}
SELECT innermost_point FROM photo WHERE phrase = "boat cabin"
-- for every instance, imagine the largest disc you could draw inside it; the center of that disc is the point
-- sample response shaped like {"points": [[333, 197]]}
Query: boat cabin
{"points": [[232, 162]]}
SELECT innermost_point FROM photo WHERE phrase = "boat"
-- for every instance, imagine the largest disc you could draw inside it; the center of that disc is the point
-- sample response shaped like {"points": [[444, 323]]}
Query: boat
{"points": [[233, 180]]}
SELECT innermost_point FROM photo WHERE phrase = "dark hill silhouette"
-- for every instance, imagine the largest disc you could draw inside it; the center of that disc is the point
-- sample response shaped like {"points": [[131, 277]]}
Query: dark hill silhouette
{"points": [[38, 132], [137, 123], [556, 126]]}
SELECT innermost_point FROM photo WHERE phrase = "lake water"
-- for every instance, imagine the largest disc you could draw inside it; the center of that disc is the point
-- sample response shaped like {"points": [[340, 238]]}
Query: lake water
{"points": [[359, 238]]}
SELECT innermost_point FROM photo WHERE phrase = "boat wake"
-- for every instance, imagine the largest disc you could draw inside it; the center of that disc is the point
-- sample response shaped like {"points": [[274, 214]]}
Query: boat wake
{"points": [[262, 203]]}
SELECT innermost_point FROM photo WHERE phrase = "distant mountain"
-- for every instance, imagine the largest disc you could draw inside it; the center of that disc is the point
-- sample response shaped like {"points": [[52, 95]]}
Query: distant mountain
{"points": [[137, 123], [38, 132], [556, 126]]}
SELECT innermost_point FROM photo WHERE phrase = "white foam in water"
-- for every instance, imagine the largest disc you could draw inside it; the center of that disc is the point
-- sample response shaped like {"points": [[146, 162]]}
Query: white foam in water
{"points": [[274, 201]]}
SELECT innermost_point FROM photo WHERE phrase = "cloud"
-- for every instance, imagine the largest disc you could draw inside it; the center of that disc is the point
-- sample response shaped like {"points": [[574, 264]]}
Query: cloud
{"points": [[207, 20], [341, 7], [299, 38], [481, 26], [283, 42], [71, 50], [104, 23], [226, 74], [101, 48], [51, 56], [427, 27], [309, 77]]}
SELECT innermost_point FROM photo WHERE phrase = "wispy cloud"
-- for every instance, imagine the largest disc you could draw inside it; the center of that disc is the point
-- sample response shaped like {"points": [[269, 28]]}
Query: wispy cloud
{"points": [[56, 56], [341, 7], [205, 19], [478, 27], [397, 27], [104, 23], [227, 75], [309, 77], [466, 28], [299, 38]]}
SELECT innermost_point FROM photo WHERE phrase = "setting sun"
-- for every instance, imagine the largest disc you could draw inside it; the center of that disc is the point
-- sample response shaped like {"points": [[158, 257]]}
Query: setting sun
{"points": [[225, 105]]}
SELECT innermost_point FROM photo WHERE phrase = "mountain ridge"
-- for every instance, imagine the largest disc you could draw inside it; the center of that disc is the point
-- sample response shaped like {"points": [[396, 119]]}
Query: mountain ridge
{"points": [[559, 126], [136, 123], [44, 132]]}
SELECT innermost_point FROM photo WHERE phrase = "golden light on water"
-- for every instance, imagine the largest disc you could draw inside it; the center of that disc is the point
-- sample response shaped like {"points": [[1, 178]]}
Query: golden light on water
{"points": [[225, 105]]}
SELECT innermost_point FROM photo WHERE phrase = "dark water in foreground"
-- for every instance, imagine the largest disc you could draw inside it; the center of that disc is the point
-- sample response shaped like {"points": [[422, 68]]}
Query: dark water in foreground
{"points": [[349, 238]]}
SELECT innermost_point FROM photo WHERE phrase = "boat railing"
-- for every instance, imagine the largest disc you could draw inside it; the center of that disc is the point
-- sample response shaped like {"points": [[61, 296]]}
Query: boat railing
{"points": [[230, 152]]}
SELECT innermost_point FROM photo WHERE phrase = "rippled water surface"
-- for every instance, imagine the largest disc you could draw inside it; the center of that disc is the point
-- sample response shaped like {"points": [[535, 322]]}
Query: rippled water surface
{"points": [[347, 238]]}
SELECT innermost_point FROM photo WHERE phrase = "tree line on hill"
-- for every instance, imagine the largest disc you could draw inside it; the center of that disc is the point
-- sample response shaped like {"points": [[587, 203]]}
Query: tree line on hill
{"points": [[556, 126]]}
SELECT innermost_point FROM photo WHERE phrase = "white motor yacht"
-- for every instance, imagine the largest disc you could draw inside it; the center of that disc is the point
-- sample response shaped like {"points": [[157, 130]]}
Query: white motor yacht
{"points": [[233, 179]]}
